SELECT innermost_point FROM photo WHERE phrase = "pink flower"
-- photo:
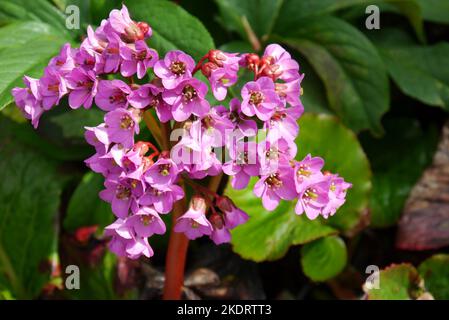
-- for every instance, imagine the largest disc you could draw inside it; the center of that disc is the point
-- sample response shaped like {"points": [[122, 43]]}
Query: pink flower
{"points": [[187, 98], [122, 195], [64, 63], [313, 198], [259, 99], [284, 124], [28, 100], [276, 186], [84, 88], [162, 174], [220, 80], [52, 88], [280, 64], [122, 125], [110, 56], [220, 233], [112, 95], [162, 201], [124, 243], [247, 127], [121, 23], [243, 164], [149, 95], [233, 216], [337, 195], [194, 223], [98, 138], [309, 169], [174, 68], [289, 92], [137, 58], [146, 222]]}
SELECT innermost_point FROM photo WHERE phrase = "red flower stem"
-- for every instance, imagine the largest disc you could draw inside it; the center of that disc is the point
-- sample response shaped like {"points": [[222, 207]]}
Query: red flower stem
{"points": [[178, 242], [176, 257], [200, 64]]}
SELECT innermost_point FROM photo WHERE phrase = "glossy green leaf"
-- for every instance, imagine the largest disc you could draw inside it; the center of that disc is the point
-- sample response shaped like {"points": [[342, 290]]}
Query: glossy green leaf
{"points": [[397, 282], [35, 10], [85, 207], [324, 258], [258, 15], [173, 27], [30, 192], [435, 272], [350, 67], [417, 69], [397, 160], [325, 136], [268, 235], [26, 54], [435, 10]]}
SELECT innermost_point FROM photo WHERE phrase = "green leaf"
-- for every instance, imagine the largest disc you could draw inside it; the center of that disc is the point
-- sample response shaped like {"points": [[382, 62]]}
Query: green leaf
{"points": [[265, 17], [36, 10], [435, 10], [397, 160], [259, 14], [173, 27], [25, 54], [65, 126], [397, 282], [350, 67], [325, 136], [85, 207], [30, 191], [324, 258], [417, 70], [268, 235], [435, 272]]}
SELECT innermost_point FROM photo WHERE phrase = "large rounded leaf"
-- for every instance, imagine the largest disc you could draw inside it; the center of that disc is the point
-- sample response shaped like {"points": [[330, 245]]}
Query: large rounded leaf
{"points": [[324, 258], [268, 235], [350, 67], [325, 136], [396, 282], [173, 27], [435, 272]]}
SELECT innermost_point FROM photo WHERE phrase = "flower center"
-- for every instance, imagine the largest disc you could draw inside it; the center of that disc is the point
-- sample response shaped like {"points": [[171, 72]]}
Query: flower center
{"points": [[194, 224], [118, 97], [243, 157], [256, 97], [146, 220], [309, 195], [122, 193], [304, 171], [189, 93], [333, 187], [53, 87], [126, 122], [164, 169], [178, 68], [273, 181], [141, 56]]}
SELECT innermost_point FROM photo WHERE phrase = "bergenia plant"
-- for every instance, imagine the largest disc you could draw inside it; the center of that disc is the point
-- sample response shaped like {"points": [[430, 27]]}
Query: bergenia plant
{"points": [[198, 145]]}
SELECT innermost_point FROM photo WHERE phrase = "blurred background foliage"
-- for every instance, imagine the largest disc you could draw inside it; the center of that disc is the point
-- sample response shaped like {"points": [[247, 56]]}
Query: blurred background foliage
{"points": [[375, 101]]}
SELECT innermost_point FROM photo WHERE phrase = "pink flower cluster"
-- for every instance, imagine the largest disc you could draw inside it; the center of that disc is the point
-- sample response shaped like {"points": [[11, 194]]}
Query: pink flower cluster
{"points": [[142, 182]]}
